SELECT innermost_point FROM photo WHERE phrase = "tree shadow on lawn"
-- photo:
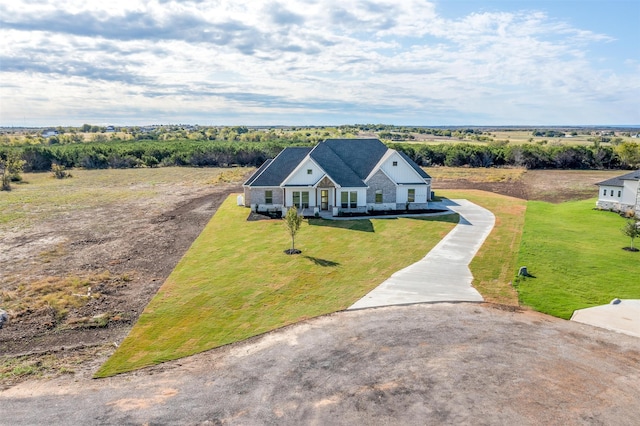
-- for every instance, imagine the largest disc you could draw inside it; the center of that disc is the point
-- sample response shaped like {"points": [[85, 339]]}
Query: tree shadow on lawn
{"points": [[322, 262], [363, 225]]}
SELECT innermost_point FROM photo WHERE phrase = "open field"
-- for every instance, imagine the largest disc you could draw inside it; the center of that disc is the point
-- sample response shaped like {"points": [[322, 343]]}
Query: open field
{"points": [[575, 255], [235, 282], [120, 232], [128, 229], [544, 185]]}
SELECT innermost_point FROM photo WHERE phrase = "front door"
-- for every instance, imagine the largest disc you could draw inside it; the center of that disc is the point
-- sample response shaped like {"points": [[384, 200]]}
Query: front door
{"points": [[324, 199]]}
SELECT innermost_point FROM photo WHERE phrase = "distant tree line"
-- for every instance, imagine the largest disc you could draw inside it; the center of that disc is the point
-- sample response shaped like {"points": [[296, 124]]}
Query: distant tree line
{"points": [[128, 154], [530, 156]]}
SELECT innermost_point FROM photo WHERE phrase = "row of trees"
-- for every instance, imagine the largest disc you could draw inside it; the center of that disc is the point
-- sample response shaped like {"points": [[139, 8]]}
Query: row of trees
{"points": [[530, 156], [222, 154]]}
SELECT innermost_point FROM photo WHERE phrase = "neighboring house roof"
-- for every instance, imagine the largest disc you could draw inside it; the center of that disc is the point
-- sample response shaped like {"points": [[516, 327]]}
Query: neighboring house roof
{"points": [[619, 181], [279, 168], [347, 162]]}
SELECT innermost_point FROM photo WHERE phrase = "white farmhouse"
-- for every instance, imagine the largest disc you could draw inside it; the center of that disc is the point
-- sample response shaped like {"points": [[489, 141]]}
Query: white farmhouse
{"points": [[620, 194], [339, 175]]}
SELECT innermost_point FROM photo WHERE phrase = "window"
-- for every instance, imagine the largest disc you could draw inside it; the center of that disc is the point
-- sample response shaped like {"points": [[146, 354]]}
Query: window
{"points": [[411, 195], [301, 199], [268, 197], [604, 192], [309, 171], [619, 193], [344, 200], [395, 163], [349, 199], [379, 196]]}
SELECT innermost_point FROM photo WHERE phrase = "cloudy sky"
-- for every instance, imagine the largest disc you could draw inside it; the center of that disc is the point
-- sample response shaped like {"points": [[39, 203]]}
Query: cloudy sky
{"points": [[322, 62]]}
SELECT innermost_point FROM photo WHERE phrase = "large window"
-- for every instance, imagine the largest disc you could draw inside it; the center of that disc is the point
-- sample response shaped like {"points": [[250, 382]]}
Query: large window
{"points": [[349, 199], [268, 197], [344, 200], [411, 195], [379, 196], [301, 199]]}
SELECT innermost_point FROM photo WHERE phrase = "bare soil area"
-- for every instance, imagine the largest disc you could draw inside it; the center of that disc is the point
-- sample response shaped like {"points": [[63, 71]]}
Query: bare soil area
{"points": [[554, 186], [123, 251], [423, 364]]}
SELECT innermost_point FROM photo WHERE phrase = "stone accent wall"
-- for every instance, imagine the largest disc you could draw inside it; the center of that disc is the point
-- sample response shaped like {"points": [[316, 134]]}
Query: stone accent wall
{"points": [[412, 206], [616, 206], [256, 196], [381, 181]]}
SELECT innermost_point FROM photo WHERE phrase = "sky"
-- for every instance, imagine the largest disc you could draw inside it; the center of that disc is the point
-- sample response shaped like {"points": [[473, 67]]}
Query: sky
{"points": [[319, 62]]}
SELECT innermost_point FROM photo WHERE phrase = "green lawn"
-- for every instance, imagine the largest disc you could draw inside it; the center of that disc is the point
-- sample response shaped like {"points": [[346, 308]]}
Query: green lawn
{"points": [[576, 256], [235, 281]]}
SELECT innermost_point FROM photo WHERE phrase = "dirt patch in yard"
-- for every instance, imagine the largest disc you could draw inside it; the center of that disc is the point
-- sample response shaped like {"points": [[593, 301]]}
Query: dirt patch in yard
{"points": [[554, 186], [81, 279]]}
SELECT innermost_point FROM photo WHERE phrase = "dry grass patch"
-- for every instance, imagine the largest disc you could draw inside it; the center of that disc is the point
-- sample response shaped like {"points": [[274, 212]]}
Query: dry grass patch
{"points": [[476, 174]]}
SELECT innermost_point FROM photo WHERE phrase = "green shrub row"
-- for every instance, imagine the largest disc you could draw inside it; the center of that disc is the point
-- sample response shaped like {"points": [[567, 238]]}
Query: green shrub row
{"points": [[127, 154]]}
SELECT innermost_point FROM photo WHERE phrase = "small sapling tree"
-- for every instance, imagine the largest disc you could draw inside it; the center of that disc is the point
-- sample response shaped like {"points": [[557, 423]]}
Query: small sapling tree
{"points": [[632, 230], [292, 222]]}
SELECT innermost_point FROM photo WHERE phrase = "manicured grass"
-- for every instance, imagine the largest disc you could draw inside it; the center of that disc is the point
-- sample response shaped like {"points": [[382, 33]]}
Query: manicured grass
{"points": [[494, 266], [235, 281], [576, 256]]}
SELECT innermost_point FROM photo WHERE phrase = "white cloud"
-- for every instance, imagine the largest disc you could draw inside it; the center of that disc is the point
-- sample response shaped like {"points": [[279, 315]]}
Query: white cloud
{"points": [[311, 61]]}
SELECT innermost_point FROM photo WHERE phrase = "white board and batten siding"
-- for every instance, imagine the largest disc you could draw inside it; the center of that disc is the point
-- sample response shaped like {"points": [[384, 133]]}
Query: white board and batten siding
{"points": [[401, 172], [403, 190], [301, 175], [630, 192], [610, 194]]}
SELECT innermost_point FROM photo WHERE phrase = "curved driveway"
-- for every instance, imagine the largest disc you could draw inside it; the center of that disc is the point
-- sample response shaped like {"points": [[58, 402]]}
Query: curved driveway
{"points": [[443, 275]]}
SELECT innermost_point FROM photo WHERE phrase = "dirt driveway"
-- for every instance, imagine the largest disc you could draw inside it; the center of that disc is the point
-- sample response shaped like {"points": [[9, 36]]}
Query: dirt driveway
{"points": [[421, 364]]}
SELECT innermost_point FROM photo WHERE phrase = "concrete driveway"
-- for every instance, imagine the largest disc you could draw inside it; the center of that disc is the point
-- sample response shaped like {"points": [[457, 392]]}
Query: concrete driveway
{"points": [[443, 275], [463, 363]]}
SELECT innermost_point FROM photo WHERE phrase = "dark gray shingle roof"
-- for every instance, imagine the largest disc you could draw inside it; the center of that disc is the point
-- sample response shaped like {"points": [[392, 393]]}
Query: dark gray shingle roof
{"points": [[348, 162], [619, 180], [258, 172], [335, 167], [279, 168], [361, 155]]}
